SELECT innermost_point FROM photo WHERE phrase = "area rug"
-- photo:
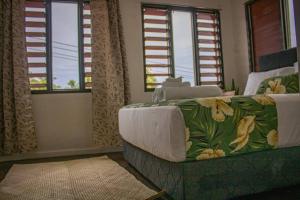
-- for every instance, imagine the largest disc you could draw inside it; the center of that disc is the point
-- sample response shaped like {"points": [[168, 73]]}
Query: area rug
{"points": [[97, 178]]}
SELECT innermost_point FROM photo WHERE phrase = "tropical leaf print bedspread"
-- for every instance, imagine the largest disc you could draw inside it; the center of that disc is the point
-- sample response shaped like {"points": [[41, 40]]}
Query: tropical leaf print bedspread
{"points": [[226, 126], [280, 85]]}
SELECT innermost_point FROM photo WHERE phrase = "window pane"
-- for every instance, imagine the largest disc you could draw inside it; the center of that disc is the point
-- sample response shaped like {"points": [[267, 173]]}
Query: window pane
{"points": [[183, 45], [65, 62], [292, 24]]}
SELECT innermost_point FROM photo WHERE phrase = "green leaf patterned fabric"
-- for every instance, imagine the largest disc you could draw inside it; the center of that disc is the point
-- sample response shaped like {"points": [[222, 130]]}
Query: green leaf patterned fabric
{"points": [[226, 126], [280, 85]]}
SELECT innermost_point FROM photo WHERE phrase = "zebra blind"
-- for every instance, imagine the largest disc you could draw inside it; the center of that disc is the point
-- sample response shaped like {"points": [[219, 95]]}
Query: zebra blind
{"points": [[157, 46], [87, 45], [209, 47], [35, 31]]}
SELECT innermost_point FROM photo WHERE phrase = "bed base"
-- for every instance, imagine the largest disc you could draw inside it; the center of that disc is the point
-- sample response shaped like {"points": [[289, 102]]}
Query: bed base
{"points": [[221, 178]]}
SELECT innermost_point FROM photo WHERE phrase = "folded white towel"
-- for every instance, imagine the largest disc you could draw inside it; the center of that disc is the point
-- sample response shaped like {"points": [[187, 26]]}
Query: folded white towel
{"points": [[171, 79], [175, 84], [172, 93], [191, 92]]}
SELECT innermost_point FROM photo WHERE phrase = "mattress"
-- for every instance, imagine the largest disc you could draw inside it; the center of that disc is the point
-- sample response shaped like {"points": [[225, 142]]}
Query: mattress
{"points": [[161, 130]]}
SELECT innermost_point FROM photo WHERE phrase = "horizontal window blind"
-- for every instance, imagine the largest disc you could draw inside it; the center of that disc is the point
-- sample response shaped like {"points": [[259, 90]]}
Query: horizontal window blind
{"points": [[157, 46], [87, 45], [36, 51], [41, 70], [209, 48]]}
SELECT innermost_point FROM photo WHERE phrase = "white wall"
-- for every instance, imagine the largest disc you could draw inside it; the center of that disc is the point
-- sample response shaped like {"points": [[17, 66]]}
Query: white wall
{"points": [[64, 120], [241, 55]]}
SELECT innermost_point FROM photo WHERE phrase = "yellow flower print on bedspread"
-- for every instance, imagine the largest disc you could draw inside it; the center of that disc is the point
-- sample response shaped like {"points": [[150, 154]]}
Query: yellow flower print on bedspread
{"points": [[188, 143], [219, 107], [210, 153], [264, 100], [275, 87], [217, 127], [287, 84], [245, 127], [272, 138]]}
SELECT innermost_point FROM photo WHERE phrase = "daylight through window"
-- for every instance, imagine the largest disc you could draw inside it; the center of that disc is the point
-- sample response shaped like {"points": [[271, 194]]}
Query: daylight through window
{"points": [[182, 42], [58, 42]]}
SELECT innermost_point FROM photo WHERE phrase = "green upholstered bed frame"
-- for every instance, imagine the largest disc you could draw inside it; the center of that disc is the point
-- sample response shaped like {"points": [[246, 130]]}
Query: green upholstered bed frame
{"points": [[220, 178]]}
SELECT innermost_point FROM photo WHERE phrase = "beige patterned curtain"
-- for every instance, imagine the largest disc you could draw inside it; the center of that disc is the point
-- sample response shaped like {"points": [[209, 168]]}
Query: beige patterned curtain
{"points": [[109, 71], [17, 130]]}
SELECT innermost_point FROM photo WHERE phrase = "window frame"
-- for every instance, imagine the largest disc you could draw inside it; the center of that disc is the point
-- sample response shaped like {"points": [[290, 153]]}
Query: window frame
{"points": [[284, 11], [48, 12], [193, 11]]}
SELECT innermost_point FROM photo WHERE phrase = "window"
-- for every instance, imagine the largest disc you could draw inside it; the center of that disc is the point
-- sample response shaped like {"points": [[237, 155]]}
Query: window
{"points": [[181, 42], [58, 43], [291, 27], [271, 28]]}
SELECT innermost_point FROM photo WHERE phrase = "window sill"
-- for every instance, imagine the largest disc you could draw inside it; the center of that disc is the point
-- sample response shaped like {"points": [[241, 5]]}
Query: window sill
{"points": [[61, 92]]}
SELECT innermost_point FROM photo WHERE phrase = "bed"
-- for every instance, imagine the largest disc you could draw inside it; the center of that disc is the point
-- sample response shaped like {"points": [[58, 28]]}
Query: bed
{"points": [[156, 144]]}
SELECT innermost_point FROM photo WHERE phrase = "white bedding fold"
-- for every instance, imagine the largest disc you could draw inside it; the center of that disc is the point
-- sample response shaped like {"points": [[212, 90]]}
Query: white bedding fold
{"points": [[158, 130], [288, 109]]}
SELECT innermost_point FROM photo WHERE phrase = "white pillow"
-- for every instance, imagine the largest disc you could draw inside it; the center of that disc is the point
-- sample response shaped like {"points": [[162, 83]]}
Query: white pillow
{"points": [[255, 78]]}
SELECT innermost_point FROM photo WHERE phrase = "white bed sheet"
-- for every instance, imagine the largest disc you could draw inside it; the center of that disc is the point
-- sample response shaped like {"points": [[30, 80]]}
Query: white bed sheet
{"points": [[157, 130], [160, 130]]}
